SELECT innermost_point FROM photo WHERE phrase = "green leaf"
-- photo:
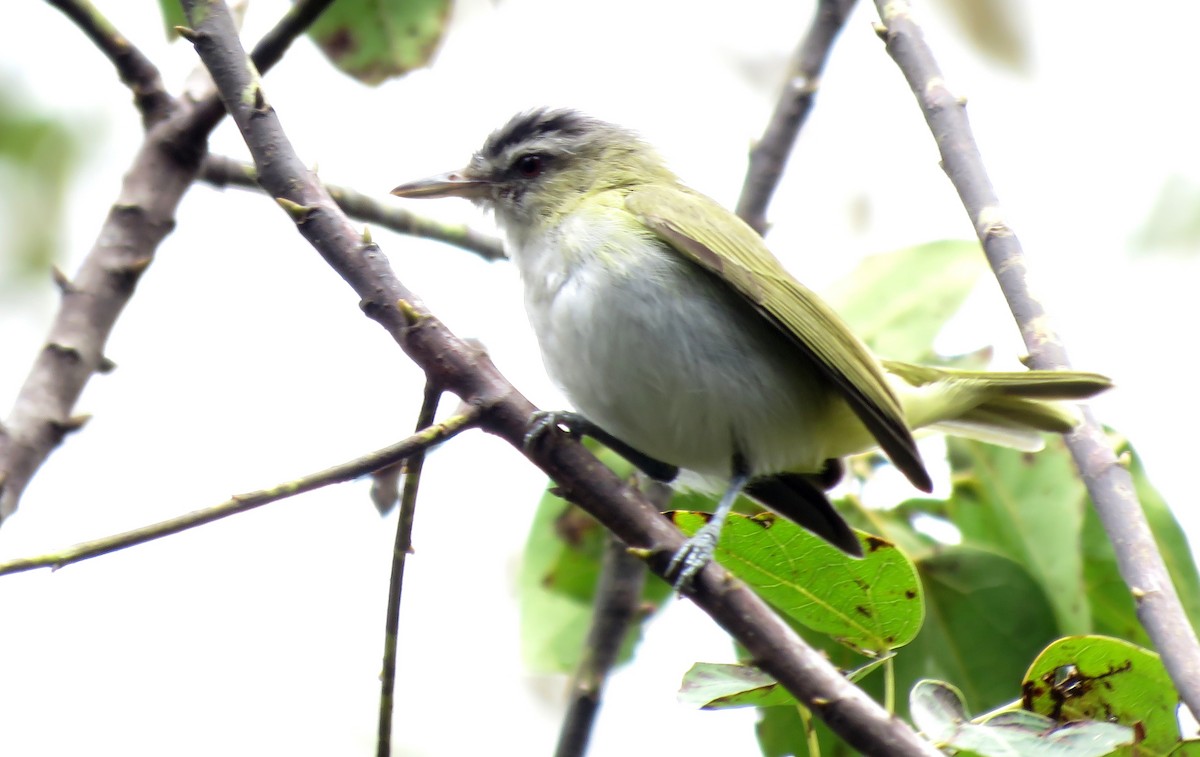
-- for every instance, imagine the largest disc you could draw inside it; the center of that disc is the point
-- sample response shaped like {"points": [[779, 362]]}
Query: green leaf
{"points": [[173, 16], [898, 302], [1031, 508], [1173, 224], [986, 617], [939, 711], [558, 581], [374, 40], [38, 158], [1101, 678], [996, 28], [873, 604], [718, 686]]}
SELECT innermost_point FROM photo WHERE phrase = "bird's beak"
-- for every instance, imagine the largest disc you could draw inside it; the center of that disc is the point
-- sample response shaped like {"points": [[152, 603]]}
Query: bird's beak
{"points": [[453, 184]]}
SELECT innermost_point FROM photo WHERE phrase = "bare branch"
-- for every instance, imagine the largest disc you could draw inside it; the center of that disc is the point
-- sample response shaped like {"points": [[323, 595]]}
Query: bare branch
{"points": [[240, 503], [222, 171], [134, 68], [452, 364], [404, 524], [769, 156], [143, 214], [1109, 484], [616, 608]]}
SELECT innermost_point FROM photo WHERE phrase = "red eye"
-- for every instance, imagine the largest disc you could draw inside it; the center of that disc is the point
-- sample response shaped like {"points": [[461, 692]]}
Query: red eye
{"points": [[530, 166]]}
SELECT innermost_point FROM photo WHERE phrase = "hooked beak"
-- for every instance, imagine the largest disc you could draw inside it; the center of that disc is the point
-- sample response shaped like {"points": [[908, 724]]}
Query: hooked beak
{"points": [[453, 184]]}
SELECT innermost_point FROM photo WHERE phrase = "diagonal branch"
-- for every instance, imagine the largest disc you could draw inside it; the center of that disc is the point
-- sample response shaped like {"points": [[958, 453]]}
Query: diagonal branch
{"points": [[144, 213], [1109, 484], [134, 68], [769, 156], [450, 363], [426, 437], [222, 171]]}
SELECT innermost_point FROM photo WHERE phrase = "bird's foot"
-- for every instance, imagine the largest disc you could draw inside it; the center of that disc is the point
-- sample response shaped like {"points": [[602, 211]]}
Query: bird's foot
{"points": [[542, 421], [695, 553]]}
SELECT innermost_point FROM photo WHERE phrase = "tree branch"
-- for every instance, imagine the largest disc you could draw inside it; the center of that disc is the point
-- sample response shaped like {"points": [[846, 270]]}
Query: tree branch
{"points": [[1109, 484], [616, 607], [403, 546], [222, 171], [143, 214], [416, 444], [769, 156], [452, 364], [134, 68]]}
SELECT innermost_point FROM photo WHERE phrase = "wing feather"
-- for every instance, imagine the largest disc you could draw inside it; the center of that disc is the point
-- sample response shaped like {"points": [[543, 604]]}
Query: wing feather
{"points": [[738, 256]]}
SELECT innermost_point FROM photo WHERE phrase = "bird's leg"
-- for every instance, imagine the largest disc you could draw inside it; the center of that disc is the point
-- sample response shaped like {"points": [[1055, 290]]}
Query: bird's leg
{"points": [[576, 425], [697, 551]]}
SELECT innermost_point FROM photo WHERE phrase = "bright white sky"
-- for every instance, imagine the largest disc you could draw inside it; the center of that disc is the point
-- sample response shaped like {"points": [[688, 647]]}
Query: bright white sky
{"points": [[244, 361]]}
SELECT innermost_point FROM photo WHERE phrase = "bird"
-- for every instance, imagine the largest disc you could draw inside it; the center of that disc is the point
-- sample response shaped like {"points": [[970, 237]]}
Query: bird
{"points": [[683, 342]]}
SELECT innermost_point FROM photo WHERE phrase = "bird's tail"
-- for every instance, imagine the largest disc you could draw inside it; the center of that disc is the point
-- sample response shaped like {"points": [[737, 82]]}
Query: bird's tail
{"points": [[1008, 408]]}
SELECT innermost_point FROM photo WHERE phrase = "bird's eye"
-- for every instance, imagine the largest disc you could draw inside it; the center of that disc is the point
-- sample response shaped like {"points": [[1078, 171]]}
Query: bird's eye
{"points": [[530, 166]]}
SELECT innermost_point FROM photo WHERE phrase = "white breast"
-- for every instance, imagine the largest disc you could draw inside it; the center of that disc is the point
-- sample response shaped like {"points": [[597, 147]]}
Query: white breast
{"points": [[663, 356]]}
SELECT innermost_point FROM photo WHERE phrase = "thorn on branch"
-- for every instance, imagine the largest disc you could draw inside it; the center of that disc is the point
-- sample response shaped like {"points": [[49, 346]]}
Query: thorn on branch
{"points": [[65, 350], [298, 212], [105, 365], [366, 236], [188, 33], [70, 425], [62, 282], [411, 314]]}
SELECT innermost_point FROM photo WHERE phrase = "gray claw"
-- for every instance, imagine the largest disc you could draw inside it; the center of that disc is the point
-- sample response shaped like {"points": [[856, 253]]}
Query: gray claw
{"points": [[540, 422], [691, 558]]}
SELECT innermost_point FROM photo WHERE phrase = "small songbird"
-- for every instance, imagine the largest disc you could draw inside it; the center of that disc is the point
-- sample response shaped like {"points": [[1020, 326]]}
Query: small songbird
{"points": [[683, 342]]}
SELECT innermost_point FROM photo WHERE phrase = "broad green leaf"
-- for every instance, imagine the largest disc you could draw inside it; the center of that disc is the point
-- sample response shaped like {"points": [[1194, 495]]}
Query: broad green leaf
{"points": [[872, 604], [558, 579], [1101, 678], [986, 618], [375, 40], [898, 302], [1030, 507]]}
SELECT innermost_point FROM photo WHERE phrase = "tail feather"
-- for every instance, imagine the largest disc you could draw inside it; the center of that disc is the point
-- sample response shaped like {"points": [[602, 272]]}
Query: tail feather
{"points": [[996, 406]]}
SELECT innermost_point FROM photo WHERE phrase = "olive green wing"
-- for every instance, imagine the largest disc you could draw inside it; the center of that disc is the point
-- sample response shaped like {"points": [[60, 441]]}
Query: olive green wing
{"points": [[735, 253]]}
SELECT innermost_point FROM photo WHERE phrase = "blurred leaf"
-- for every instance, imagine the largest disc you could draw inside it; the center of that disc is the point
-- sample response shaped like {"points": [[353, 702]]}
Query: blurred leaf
{"points": [[38, 157], [719, 686], [1101, 678], [898, 302], [997, 28], [1029, 507], [558, 581], [986, 619], [1173, 224], [173, 16], [940, 713], [782, 732], [374, 40], [873, 604]]}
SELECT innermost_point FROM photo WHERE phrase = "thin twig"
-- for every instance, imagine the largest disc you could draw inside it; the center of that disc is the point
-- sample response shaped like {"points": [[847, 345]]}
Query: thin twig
{"points": [[403, 546], [223, 171], [616, 606], [769, 156], [457, 367], [134, 68], [1109, 484], [239, 503], [143, 214]]}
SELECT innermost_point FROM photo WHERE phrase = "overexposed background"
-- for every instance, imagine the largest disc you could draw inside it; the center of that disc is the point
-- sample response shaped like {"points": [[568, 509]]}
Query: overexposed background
{"points": [[244, 361]]}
